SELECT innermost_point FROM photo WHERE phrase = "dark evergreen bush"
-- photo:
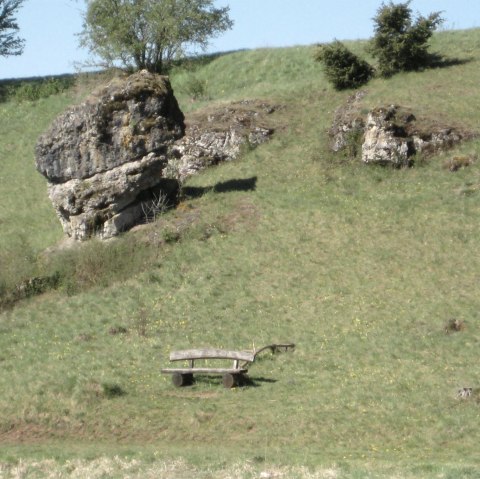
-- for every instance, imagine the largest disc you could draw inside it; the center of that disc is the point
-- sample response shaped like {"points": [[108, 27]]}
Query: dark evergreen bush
{"points": [[342, 67], [399, 44]]}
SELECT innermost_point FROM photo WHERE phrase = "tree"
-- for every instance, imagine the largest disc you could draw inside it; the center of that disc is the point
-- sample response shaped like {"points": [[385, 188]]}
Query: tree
{"points": [[10, 44], [399, 43], [342, 67], [149, 34]]}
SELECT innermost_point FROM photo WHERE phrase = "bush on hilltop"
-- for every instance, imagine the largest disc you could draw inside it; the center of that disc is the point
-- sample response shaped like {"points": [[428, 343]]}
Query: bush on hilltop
{"points": [[342, 67], [399, 43]]}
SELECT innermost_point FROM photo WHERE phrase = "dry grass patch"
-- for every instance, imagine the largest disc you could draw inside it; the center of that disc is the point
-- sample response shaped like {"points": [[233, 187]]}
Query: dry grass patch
{"points": [[117, 467], [457, 162]]}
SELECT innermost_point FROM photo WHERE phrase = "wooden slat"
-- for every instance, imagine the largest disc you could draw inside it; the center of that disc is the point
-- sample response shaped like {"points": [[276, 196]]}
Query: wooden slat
{"points": [[203, 370], [192, 354]]}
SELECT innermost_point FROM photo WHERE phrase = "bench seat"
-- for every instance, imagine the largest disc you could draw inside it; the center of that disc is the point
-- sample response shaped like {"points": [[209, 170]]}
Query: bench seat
{"points": [[192, 354], [204, 370]]}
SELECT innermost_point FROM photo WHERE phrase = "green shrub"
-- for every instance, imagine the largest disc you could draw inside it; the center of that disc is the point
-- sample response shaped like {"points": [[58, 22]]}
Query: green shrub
{"points": [[342, 67], [399, 44], [195, 88], [170, 235]]}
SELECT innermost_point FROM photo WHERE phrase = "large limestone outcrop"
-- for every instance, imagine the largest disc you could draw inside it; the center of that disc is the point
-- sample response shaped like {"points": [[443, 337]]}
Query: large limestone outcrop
{"points": [[105, 158], [111, 158], [390, 135]]}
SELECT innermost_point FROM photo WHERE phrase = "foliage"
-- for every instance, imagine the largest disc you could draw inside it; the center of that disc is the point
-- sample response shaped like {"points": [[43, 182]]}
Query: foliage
{"points": [[399, 43], [156, 206], [195, 87], [33, 90], [149, 34], [10, 44], [342, 67]]}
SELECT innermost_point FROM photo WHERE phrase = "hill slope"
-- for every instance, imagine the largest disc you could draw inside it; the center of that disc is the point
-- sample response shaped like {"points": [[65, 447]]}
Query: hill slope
{"points": [[361, 267]]}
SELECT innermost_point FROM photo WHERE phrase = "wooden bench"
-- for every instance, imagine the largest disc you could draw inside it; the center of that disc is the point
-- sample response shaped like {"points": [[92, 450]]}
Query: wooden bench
{"points": [[233, 376]]}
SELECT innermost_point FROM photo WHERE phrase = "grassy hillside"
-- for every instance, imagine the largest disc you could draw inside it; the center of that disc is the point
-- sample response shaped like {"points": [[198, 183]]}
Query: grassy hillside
{"points": [[361, 267]]}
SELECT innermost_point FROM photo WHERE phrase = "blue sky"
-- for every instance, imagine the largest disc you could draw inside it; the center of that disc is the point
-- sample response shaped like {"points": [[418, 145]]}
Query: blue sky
{"points": [[50, 27]]}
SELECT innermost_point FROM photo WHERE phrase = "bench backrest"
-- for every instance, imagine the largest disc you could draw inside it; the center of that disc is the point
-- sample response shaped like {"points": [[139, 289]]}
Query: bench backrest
{"points": [[191, 354]]}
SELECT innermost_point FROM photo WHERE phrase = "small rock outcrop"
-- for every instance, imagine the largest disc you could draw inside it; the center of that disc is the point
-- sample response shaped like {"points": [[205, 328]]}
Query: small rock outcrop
{"points": [[220, 135], [393, 136], [105, 158], [390, 135]]}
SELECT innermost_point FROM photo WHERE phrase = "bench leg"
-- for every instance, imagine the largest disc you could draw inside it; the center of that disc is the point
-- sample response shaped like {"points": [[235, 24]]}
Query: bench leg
{"points": [[179, 379], [232, 380]]}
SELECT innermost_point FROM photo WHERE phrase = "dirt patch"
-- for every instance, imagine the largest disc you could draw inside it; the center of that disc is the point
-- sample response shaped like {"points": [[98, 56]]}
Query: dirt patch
{"points": [[245, 113], [245, 216], [192, 394], [191, 218], [20, 432]]}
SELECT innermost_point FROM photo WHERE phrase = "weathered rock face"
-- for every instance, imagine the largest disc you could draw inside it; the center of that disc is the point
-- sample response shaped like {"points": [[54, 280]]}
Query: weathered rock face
{"points": [[390, 135], [105, 158], [393, 135], [386, 139], [220, 135]]}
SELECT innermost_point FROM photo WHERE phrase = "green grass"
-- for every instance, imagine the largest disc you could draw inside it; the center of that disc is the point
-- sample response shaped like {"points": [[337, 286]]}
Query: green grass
{"points": [[26, 209], [27, 220], [360, 267]]}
